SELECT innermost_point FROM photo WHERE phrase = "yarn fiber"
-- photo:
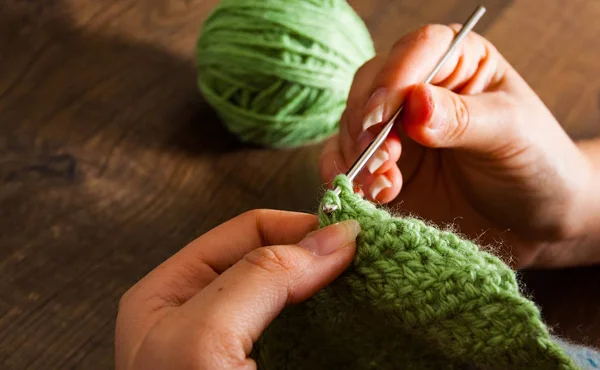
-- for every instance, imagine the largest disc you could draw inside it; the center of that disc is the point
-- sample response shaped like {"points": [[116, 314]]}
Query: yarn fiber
{"points": [[415, 297], [278, 72]]}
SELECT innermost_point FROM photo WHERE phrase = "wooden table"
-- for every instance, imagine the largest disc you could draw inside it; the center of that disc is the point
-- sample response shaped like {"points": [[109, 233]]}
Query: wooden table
{"points": [[110, 160]]}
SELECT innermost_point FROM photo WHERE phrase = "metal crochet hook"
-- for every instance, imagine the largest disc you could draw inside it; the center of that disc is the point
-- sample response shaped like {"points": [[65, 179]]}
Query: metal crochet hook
{"points": [[366, 155]]}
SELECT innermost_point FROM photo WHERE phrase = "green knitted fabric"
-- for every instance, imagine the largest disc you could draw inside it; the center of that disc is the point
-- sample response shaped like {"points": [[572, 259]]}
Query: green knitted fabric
{"points": [[415, 297]]}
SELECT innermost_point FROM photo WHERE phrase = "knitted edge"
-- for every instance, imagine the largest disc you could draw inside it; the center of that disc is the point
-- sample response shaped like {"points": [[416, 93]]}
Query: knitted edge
{"points": [[348, 198]]}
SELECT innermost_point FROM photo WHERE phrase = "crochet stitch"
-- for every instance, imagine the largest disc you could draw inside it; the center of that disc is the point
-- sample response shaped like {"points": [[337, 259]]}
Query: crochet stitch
{"points": [[415, 297]]}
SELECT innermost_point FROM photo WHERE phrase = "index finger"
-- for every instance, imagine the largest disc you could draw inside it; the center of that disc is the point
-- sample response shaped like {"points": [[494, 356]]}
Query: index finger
{"points": [[195, 266], [226, 244], [201, 261]]}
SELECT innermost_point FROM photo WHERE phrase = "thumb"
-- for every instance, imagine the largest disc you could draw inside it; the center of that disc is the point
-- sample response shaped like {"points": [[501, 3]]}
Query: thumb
{"points": [[242, 302], [439, 118]]}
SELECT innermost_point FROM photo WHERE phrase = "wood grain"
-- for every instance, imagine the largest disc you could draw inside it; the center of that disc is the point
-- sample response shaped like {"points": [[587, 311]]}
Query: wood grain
{"points": [[110, 160], [555, 47]]}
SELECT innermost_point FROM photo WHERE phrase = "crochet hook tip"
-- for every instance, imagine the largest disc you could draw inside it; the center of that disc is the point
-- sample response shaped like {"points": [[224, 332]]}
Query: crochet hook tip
{"points": [[330, 208]]}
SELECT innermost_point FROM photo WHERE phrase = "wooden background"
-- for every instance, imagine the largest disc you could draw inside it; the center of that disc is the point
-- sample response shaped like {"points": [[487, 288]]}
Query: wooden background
{"points": [[110, 160]]}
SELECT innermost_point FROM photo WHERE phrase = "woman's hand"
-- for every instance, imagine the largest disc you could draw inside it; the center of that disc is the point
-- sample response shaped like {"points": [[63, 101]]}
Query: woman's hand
{"points": [[205, 307], [477, 149]]}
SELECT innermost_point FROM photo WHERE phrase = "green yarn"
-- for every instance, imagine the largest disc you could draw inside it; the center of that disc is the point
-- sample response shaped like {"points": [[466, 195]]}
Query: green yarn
{"points": [[278, 72], [415, 297]]}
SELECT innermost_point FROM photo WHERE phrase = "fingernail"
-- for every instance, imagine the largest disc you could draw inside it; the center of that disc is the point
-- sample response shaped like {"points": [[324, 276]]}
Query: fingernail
{"points": [[375, 109], [331, 238], [379, 158], [381, 182]]}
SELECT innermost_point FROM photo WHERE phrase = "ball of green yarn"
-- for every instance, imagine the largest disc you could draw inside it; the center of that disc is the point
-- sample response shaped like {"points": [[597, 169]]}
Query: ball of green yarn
{"points": [[278, 72]]}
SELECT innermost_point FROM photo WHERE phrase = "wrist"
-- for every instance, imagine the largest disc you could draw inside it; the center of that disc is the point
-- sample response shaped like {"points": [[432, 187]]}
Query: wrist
{"points": [[579, 241], [589, 199], [581, 245]]}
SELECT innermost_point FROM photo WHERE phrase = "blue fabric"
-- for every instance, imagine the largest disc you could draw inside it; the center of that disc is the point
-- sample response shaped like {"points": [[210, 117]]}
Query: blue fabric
{"points": [[586, 357]]}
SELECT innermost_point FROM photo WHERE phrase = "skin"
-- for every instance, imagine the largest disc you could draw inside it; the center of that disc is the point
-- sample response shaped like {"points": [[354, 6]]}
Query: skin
{"points": [[477, 148], [205, 306]]}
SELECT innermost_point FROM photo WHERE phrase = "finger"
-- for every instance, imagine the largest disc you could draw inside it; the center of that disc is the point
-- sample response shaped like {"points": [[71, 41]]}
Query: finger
{"points": [[353, 141], [472, 68], [241, 303], [229, 242], [359, 93], [331, 162], [381, 180], [200, 262], [384, 187], [382, 167], [438, 118], [386, 156], [411, 60], [186, 273]]}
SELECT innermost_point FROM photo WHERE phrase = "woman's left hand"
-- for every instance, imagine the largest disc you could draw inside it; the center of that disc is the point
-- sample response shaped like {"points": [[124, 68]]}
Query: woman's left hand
{"points": [[207, 305]]}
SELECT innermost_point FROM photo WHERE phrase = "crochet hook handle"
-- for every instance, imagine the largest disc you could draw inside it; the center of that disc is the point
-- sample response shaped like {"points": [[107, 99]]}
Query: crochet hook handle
{"points": [[366, 155]]}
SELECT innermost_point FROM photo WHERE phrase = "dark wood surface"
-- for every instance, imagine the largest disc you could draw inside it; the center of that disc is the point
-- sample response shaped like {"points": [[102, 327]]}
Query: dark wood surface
{"points": [[110, 160]]}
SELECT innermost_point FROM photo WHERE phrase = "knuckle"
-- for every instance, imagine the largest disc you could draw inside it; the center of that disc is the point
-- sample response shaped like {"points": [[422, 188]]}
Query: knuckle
{"points": [[430, 31], [456, 27], [461, 121], [360, 71], [271, 260], [365, 70], [330, 147], [424, 34], [427, 33], [254, 213], [257, 216], [401, 43], [490, 49], [126, 300]]}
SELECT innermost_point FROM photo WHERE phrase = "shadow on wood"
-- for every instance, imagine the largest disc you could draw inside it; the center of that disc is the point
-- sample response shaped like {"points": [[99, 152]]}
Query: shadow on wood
{"points": [[96, 135]]}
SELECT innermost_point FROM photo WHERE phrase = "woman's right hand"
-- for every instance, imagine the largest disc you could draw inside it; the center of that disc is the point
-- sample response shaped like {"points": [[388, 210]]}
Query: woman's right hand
{"points": [[477, 149]]}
